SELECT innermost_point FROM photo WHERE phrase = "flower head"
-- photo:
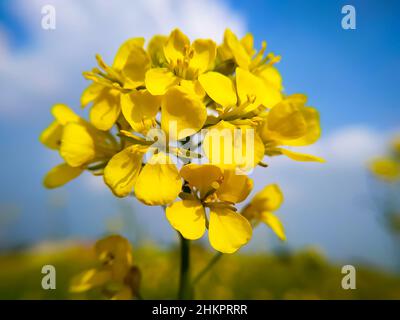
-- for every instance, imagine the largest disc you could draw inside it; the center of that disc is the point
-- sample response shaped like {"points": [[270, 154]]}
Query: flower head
{"points": [[118, 278], [147, 109]]}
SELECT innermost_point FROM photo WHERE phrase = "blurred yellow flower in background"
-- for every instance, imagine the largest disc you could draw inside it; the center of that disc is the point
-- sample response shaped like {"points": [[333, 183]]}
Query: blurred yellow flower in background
{"points": [[388, 167], [116, 276]]}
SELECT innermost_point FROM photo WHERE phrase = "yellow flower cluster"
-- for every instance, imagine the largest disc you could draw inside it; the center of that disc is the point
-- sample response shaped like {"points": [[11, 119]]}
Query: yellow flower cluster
{"points": [[116, 276], [152, 103], [387, 168]]}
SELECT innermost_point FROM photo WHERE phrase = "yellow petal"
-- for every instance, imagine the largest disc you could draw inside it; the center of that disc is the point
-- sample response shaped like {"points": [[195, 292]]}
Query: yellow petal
{"points": [[234, 188], [386, 168], [220, 88], [176, 45], [161, 173], [136, 67], [77, 145], [91, 93], [300, 156], [125, 51], [286, 121], [159, 80], [274, 223], [105, 110], [193, 86], [248, 43], [218, 144], [60, 175], [201, 176], [182, 113], [204, 53], [51, 136], [299, 99], [115, 253], [188, 217], [229, 146], [239, 52], [251, 86], [122, 170], [64, 114], [139, 109], [271, 76], [224, 53], [155, 49], [268, 199], [313, 131], [114, 247], [89, 279], [228, 230]]}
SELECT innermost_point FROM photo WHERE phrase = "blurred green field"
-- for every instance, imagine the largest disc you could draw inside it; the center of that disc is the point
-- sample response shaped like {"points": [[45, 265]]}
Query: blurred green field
{"points": [[301, 275]]}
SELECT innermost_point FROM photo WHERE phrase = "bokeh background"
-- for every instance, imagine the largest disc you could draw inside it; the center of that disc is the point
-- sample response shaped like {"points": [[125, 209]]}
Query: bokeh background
{"points": [[331, 212]]}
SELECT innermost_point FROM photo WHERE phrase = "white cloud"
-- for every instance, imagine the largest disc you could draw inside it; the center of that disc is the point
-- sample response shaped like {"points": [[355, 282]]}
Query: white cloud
{"points": [[351, 146], [49, 69]]}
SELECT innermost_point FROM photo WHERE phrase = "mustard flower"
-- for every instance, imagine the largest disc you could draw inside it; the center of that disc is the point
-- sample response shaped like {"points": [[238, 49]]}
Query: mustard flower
{"points": [[79, 144], [290, 123], [218, 191], [241, 53], [238, 103], [109, 84], [148, 106], [117, 276], [387, 167], [181, 63]]}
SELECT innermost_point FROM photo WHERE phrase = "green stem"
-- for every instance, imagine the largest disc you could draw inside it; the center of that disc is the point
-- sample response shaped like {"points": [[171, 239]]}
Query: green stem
{"points": [[207, 268], [185, 289]]}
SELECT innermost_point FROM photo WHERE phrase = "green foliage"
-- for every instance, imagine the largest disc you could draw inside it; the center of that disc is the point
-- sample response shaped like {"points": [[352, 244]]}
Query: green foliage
{"points": [[301, 275]]}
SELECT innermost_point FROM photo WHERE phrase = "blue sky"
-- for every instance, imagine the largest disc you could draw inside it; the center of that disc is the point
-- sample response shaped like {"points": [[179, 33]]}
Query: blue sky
{"points": [[351, 76]]}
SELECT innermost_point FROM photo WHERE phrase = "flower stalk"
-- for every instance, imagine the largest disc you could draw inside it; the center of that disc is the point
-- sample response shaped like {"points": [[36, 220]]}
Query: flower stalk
{"points": [[185, 289], [207, 268]]}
